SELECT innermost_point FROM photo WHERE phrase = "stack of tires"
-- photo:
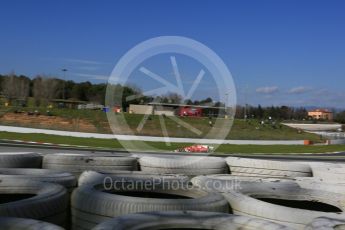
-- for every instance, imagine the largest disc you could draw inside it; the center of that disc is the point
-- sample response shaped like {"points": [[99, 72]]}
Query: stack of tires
{"points": [[35, 200], [100, 200], [27, 201], [267, 168], [191, 165], [282, 201], [170, 192]]}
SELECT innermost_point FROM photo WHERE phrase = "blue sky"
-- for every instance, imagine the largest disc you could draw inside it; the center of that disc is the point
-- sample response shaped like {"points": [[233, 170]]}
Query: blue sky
{"points": [[279, 52]]}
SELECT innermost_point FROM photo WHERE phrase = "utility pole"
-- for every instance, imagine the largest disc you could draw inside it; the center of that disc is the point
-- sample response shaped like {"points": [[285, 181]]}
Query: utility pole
{"points": [[245, 102], [63, 83], [225, 104]]}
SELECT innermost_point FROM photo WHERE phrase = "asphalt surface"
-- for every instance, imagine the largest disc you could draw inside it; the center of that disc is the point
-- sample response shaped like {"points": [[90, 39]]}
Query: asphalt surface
{"points": [[13, 147], [147, 138]]}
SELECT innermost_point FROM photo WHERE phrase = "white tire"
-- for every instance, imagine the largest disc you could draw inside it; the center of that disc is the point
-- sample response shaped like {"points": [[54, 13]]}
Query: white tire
{"points": [[20, 160], [76, 163], [279, 204], [188, 165], [321, 184], [90, 177], [35, 200], [224, 182], [335, 174], [11, 223], [94, 203], [267, 168], [323, 223], [187, 219], [44, 175]]}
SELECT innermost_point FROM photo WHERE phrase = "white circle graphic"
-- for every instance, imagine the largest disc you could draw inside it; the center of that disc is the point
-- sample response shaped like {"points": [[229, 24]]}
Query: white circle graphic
{"points": [[172, 45]]}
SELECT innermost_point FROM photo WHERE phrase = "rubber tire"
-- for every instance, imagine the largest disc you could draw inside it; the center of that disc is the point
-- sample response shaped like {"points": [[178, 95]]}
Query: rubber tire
{"points": [[91, 206], [225, 182], [243, 202], [321, 184], [92, 177], [49, 203], [187, 219], [267, 168], [330, 174], [44, 175], [20, 160], [323, 223], [188, 165], [11, 223], [278, 175], [76, 163]]}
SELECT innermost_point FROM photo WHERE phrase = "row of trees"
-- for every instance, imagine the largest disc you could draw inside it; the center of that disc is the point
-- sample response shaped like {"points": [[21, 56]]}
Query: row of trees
{"points": [[43, 89], [276, 112]]}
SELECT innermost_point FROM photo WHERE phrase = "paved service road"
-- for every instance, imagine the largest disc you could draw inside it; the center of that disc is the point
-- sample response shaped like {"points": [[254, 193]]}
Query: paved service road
{"points": [[334, 157]]}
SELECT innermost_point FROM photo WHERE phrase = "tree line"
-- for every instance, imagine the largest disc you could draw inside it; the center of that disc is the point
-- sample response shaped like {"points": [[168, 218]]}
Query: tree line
{"points": [[43, 89], [275, 112]]}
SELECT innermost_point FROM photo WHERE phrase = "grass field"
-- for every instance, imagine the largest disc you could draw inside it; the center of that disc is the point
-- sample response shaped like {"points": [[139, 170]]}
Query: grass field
{"points": [[241, 130], [114, 144]]}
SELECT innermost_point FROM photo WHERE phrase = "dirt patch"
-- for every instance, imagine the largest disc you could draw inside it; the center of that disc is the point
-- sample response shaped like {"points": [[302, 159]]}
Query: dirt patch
{"points": [[48, 122]]}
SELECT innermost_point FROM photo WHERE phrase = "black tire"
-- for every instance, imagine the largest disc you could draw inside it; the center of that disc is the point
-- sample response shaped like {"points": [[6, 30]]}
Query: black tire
{"points": [[76, 163], [188, 165], [11, 223], [279, 203], [20, 160], [91, 205], [44, 175], [187, 219], [92, 177], [35, 200], [267, 168]]}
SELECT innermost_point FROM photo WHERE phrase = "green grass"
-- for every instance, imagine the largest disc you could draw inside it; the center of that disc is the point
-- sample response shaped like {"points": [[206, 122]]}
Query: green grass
{"points": [[241, 130], [114, 144]]}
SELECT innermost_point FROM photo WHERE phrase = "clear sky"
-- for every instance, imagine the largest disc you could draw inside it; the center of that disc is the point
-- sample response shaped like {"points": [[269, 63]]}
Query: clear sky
{"points": [[279, 52]]}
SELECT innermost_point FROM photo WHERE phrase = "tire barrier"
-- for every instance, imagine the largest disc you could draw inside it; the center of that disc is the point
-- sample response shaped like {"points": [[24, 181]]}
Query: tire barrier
{"points": [[187, 165], [262, 194], [35, 200], [286, 203], [187, 219], [20, 160], [267, 168], [95, 203]]}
